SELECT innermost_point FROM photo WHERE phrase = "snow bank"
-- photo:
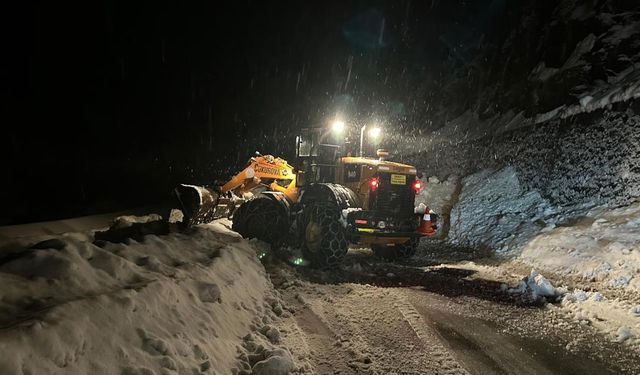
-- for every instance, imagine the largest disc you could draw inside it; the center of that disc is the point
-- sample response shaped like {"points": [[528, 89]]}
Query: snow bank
{"points": [[602, 247], [166, 304], [616, 318], [130, 220], [495, 211], [65, 226]]}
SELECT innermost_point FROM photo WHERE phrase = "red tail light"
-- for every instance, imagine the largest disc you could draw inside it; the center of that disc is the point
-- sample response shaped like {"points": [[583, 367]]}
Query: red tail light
{"points": [[373, 183], [417, 185]]}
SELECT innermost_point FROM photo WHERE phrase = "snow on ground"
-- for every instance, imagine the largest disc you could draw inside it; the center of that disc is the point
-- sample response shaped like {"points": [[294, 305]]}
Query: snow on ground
{"points": [[603, 246], [617, 318], [129, 220], [535, 286], [580, 246], [603, 250], [63, 227], [167, 304]]}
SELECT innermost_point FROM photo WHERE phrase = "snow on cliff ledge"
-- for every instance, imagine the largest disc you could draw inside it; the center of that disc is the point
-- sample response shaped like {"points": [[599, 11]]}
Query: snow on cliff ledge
{"points": [[172, 303]]}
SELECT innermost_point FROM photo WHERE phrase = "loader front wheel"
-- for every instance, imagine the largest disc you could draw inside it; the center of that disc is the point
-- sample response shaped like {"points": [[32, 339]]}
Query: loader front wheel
{"points": [[398, 251], [325, 242], [261, 218]]}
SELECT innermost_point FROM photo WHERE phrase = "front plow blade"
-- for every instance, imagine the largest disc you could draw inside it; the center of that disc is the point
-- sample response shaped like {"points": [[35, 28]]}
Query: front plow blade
{"points": [[199, 205]]}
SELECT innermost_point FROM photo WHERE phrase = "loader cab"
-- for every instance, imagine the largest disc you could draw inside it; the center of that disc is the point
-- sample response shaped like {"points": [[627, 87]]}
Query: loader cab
{"points": [[319, 155]]}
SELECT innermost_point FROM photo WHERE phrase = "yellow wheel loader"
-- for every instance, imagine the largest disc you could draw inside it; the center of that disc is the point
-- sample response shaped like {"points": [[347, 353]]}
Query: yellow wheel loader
{"points": [[331, 202]]}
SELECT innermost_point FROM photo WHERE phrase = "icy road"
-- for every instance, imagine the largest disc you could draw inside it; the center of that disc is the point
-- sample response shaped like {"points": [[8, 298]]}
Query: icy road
{"points": [[419, 317], [201, 302]]}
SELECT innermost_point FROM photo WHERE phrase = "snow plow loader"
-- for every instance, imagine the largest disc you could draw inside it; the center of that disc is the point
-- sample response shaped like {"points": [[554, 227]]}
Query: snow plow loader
{"points": [[331, 202]]}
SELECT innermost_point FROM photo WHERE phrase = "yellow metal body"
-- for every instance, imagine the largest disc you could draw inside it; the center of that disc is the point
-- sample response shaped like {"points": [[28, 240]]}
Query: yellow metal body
{"points": [[278, 175], [266, 170], [367, 168]]}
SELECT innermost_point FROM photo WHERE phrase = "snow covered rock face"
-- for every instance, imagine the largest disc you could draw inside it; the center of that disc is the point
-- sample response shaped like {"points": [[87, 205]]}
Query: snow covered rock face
{"points": [[591, 159], [166, 305], [594, 164], [495, 211], [557, 59]]}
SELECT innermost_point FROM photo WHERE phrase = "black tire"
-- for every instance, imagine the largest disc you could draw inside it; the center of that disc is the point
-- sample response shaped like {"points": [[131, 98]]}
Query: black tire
{"points": [[398, 251], [324, 238], [262, 218]]}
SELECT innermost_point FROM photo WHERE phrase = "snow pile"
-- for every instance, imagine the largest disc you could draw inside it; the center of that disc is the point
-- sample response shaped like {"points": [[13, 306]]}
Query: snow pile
{"points": [[175, 216], [536, 287], [495, 211], [124, 228], [602, 247], [130, 220], [614, 317], [601, 250], [262, 360], [171, 304], [66, 227]]}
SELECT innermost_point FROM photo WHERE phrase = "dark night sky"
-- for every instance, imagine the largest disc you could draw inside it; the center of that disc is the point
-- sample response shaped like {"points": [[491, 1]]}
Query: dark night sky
{"points": [[108, 104]]}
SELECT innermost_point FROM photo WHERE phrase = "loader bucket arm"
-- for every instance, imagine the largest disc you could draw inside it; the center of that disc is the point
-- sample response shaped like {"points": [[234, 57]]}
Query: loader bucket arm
{"points": [[260, 169], [201, 205]]}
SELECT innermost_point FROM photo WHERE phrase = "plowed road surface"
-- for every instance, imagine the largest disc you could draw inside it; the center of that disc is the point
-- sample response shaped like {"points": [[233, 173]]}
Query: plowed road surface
{"points": [[371, 317]]}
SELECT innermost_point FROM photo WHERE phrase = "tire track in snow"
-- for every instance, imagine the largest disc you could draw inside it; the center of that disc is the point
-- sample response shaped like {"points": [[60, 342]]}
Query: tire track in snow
{"points": [[360, 329], [326, 357], [441, 356]]}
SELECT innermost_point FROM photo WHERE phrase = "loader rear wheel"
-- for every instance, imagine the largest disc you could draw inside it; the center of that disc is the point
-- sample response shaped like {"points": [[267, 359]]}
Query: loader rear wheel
{"points": [[261, 218], [398, 251], [325, 241]]}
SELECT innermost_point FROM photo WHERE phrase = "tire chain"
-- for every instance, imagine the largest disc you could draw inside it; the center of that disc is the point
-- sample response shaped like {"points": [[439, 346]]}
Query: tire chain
{"points": [[271, 226], [334, 242]]}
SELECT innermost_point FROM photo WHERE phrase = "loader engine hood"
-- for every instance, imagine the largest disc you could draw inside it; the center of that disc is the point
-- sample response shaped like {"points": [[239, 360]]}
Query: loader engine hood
{"points": [[381, 165]]}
